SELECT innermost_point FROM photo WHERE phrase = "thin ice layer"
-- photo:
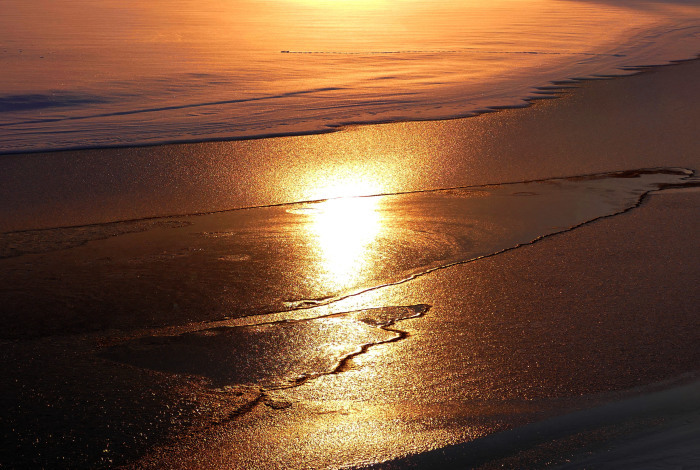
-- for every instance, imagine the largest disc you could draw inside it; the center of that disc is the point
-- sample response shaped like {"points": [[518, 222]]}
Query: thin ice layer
{"points": [[262, 260], [270, 355]]}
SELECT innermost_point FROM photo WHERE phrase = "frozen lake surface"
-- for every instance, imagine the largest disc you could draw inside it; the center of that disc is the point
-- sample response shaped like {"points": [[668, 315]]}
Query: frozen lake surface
{"points": [[96, 74]]}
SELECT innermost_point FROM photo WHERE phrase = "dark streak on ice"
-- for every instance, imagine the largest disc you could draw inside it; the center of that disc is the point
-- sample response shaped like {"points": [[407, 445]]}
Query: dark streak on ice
{"points": [[171, 276], [38, 101], [247, 362], [691, 181], [169, 108]]}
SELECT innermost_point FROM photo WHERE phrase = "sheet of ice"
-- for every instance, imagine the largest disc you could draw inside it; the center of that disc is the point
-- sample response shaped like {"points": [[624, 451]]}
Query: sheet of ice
{"points": [[279, 258], [270, 356], [92, 74]]}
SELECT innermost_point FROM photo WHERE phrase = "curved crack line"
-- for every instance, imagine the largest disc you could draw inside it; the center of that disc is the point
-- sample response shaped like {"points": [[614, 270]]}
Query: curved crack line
{"points": [[691, 181], [244, 409], [612, 174], [344, 364]]}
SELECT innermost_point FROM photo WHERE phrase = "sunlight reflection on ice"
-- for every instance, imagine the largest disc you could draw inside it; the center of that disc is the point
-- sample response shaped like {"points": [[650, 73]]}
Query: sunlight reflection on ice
{"points": [[342, 230], [279, 258]]}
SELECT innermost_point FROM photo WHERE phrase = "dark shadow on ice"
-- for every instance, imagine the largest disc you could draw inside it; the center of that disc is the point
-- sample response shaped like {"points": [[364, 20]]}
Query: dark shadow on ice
{"points": [[270, 355], [38, 101], [670, 413], [248, 361]]}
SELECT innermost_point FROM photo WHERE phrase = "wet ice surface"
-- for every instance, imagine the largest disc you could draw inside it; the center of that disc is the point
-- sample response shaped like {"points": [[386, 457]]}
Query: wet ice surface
{"points": [[270, 355], [96, 403], [42, 241], [173, 271]]}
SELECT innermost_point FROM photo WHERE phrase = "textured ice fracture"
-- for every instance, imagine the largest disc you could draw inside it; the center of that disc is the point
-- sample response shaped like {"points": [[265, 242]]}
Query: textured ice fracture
{"points": [[278, 258]]}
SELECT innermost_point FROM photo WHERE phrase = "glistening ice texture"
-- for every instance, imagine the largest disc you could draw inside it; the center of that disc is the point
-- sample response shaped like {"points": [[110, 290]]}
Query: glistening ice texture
{"points": [[286, 257]]}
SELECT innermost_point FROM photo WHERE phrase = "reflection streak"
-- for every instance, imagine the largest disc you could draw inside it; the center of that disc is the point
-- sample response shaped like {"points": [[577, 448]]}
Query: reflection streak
{"points": [[343, 231]]}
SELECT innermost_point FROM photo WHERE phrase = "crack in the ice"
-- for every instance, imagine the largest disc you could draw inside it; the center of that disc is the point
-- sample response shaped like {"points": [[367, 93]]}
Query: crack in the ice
{"points": [[242, 398], [691, 181], [343, 365]]}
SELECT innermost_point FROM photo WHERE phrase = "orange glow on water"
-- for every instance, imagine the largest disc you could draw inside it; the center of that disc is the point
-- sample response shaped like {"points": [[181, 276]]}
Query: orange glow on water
{"points": [[129, 72]]}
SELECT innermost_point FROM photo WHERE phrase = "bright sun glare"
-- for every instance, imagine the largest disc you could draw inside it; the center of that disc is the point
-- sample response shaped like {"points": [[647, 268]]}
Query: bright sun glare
{"points": [[343, 230]]}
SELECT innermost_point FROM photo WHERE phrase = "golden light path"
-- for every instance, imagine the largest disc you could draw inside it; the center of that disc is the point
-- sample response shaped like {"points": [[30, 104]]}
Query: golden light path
{"points": [[343, 225], [343, 231]]}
